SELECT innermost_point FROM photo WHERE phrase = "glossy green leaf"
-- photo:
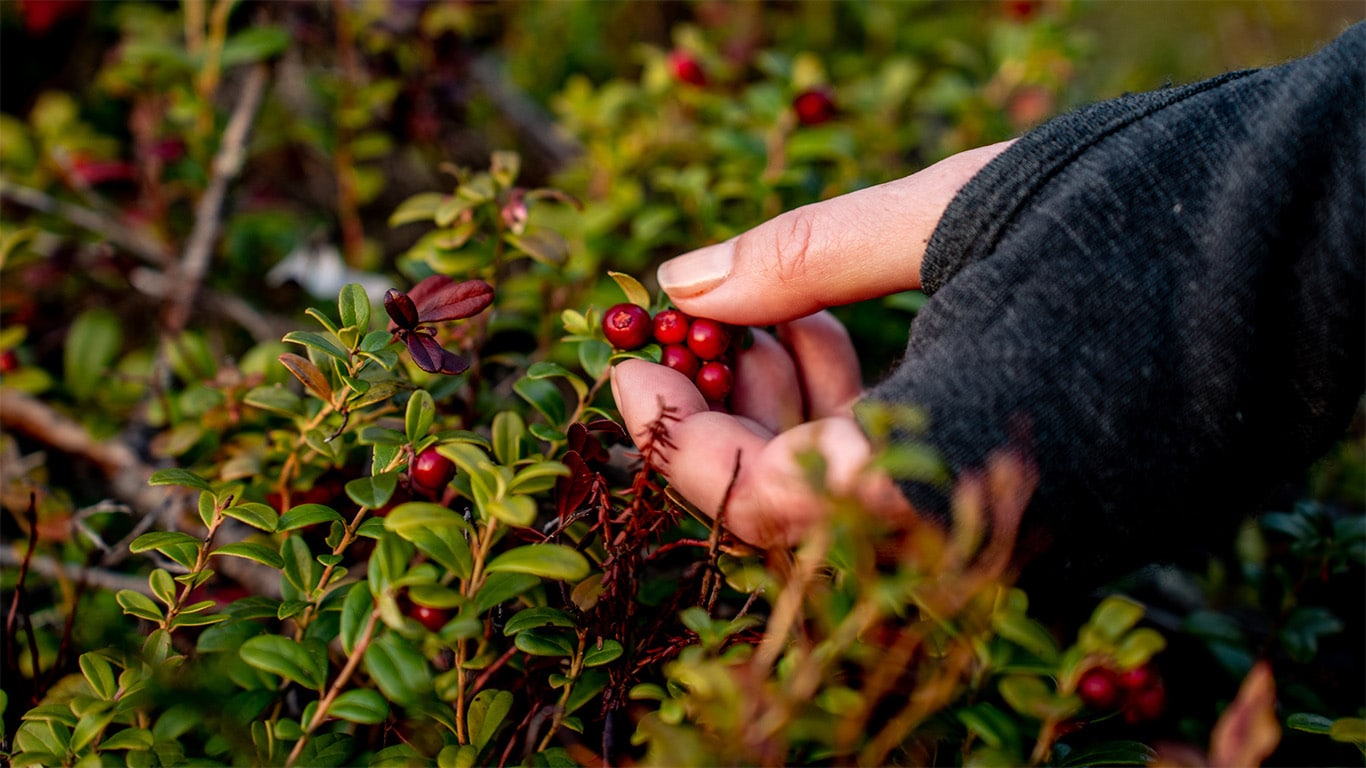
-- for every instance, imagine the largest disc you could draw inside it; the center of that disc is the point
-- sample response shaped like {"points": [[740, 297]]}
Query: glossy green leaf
{"points": [[130, 739], [419, 415], [412, 516], [398, 669], [181, 477], [538, 477], [286, 658], [163, 586], [635, 292], [255, 514], [374, 491], [545, 397], [1309, 723], [160, 540], [486, 713], [360, 705], [301, 570], [595, 355], [550, 561], [250, 550], [355, 614], [597, 655], [99, 674], [539, 616], [92, 343], [317, 341], [419, 207], [508, 428], [91, 725], [305, 515], [1113, 617], [544, 642], [498, 588], [519, 511], [274, 398], [1351, 730], [353, 306]]}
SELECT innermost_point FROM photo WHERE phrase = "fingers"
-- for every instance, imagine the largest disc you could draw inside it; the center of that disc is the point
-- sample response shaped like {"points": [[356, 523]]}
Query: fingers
{"points": [[767, 388], [770, 502], [858, 246], [826, 363]]}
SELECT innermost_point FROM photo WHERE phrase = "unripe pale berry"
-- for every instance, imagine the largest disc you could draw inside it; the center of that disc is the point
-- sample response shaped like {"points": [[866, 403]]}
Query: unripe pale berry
{"points": [[431, 471], [627, 326], [708, 339], [681, 359], [671, 327], [715, 380]]}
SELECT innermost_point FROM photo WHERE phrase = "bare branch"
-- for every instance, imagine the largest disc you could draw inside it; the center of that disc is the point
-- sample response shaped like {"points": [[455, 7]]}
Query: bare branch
{"points": [[143, 246]]}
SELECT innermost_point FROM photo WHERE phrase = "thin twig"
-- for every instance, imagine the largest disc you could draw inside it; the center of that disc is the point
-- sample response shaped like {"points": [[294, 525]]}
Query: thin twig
{"points": [[56, 570], [227, 164], [144, 247]]}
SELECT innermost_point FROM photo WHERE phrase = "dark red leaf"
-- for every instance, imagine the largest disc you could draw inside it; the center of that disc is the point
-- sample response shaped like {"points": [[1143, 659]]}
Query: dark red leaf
{"points": [[440, 298], [432, 357], [573, 489], [402, 312]]}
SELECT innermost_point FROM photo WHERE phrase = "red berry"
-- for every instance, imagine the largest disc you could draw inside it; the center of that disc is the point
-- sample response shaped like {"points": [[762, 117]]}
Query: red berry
{"points": [[431, 618], [686, 69], [681, 359], [1145, 703], [627, 326], [1099, 688], [814, 106], [1138, 678], [714, 380], [431, 471], [8, 361], [708, 339], [671, 327]]}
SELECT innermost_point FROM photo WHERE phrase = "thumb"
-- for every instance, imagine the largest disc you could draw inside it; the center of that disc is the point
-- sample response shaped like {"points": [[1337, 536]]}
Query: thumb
{"points": [[858, 246]]}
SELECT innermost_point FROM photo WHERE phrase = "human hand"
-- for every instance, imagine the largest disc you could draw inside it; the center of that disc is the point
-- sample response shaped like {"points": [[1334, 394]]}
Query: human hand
{"points": [[792, 393]]}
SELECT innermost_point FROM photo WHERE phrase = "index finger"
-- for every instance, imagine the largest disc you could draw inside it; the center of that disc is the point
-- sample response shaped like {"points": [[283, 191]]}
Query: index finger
{"points": [[857, 246]]}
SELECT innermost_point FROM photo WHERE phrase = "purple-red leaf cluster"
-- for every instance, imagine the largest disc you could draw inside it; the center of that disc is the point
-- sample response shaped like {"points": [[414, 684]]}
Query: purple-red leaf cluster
{"points": [[434, 300]]}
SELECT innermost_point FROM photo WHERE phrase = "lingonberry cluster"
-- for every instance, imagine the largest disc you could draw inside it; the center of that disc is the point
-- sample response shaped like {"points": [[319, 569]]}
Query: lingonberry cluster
{"points": [[1139, 692], [694, 346]]}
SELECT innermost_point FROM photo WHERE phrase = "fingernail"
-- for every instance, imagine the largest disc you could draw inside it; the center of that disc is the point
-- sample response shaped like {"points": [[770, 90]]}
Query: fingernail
{"points": [[696, 272]]}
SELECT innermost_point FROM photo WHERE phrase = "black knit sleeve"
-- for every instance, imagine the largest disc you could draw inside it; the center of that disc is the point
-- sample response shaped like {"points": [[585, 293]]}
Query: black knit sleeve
{"points": [[1163, 294]]}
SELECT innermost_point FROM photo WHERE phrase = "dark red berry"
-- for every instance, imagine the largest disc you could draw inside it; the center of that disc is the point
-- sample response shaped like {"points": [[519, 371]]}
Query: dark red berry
{"points": [[814, 106], [431, 618], [708, 339], [8, 361], [686, 69], [1138, 678], [681, 359], [1020, 10], [627, 326], [671, 327], [431, 472], [715, 380], [1099, 688], [1145, 703]]}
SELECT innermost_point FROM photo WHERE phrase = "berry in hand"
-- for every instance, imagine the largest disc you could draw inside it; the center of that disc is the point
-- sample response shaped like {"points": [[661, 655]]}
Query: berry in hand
{"points": [[1099, 688], [814, 106], [627, 326], [671, 327], [708, 339], [715, 380], [681, 359], [431, 472]]}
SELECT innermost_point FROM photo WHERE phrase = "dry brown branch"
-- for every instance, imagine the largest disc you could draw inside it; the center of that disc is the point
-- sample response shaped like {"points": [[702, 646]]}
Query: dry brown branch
{"points": [[56, 570], [227, 164], [139, 244]]}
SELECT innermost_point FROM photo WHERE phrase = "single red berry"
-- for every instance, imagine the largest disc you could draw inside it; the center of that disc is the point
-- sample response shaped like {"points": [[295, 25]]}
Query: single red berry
{"points": [[708, 339], [431, 471], [8, 361], [715, 380], [681, 359], [1138, 678], [431, 618], [814, 106], [1020, 11], [686, 68], [1145, 703], [671, 327], [627, 326], [1099, 688]]}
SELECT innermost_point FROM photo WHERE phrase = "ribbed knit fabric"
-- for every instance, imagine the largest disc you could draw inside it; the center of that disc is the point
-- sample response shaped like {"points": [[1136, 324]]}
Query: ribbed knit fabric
{"points": [[1164, 292]]}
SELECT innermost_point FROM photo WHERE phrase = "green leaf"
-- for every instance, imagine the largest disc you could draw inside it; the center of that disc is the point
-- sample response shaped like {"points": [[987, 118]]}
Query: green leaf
{"points": [[508, 429], [500, 587], [398, 669], [92, 343], [1138, 646], [255, 514], [253, 44], [1113, 617], [250, 550], [446, 546], [319, 342], [1026, 633], [1309, 723], [545, 397], [181, 477], [92, 723], [355, 614], [420, 207], [160, 540], [544, 642], [412, 516], [138, 604], [635, 292], [274, 398], [1351, 730], [1111, 753], [596, 656], [100, 675], [595, 355], [301, 570], [1032, 697], [419, 416], [163, 586], [353, 306], [373, 492], [537, 477], [388, 563], [286, 658], [129, 738], [486, 713], [197, 619], [539, 616], [550, 561], [519, 511], [305, 515], [545, 369], [360, 705], [991, 725]]}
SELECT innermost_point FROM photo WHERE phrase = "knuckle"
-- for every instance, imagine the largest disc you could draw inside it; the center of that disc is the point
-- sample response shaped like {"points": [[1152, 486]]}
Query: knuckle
{"points": [[784, 253]]}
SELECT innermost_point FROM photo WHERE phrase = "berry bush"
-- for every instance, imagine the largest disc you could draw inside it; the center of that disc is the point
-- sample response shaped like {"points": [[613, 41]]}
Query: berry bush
{"points": [[308, 457]]}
